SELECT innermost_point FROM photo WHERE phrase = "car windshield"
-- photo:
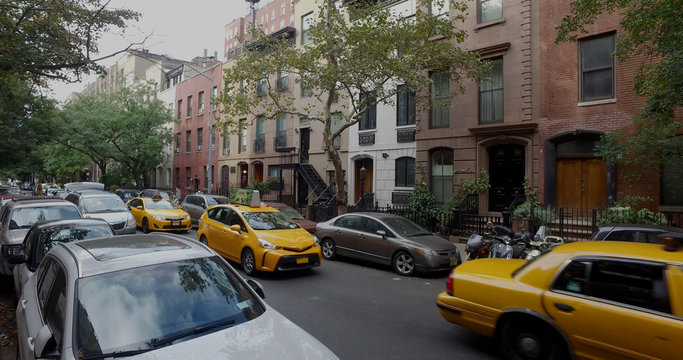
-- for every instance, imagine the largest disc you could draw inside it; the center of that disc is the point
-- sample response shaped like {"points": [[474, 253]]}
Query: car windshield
{"points": [[269, 221], [158, 204], [10, 191], [291, 213], [144, 308], [405, 227], [27, 216], [211, 200], [50, 236], [102, 204]]}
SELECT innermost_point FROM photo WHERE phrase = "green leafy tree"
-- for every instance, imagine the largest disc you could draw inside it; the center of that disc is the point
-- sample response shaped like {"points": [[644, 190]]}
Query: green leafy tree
{"points": [[369, 55], [63, 163], [652, 30]]}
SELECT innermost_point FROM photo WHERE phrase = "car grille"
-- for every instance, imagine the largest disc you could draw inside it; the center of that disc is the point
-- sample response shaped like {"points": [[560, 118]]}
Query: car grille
{"points": [[449, 253], [118, 226], [292, 249], [175, 217]]}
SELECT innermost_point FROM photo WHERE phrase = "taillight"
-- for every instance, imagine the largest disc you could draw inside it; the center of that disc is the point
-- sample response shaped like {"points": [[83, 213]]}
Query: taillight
{"points": [[449, 283]]}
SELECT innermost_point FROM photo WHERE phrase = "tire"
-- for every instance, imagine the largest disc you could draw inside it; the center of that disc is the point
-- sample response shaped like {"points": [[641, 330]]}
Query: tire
{"points": [[404, 263], [329, 249], [522, 339], [203, 240], [248, 262], [145, 226]]}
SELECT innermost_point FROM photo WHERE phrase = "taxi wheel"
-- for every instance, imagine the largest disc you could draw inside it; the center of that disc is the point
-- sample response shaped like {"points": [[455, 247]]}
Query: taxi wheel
{"points": [[203, 240], [404, 263], [329, 249], [145, 226], [248, 262], [522, 339]]}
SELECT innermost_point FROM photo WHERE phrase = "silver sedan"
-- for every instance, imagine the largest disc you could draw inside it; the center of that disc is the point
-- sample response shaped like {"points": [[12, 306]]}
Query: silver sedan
{"points": [[387, 239]]}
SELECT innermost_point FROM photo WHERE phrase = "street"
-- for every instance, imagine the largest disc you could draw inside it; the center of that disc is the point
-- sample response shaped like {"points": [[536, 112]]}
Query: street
{"points": [[357, 309]]}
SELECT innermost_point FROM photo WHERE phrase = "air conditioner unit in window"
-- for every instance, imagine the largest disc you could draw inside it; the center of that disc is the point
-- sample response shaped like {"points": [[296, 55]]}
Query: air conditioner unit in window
{"points": [[199, 148], [177, 150], [226, 151]]}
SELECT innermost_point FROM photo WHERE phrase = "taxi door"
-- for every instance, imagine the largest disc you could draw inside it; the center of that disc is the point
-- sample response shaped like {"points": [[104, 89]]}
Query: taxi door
{"points": [[137, 213], [615, 309], [234, 240]]}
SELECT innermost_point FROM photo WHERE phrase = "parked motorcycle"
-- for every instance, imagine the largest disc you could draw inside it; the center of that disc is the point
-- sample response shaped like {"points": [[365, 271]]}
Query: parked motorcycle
{"points": [[500, 242], [477, 247], [542, 243]]}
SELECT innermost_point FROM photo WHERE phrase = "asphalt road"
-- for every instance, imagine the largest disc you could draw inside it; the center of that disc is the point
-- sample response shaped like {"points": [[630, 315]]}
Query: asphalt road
{"points": [[359, 310]]}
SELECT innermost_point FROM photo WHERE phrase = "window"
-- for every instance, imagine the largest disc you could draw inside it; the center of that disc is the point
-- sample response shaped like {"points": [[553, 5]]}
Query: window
{"points": [[282, 80], [200, 103], [405, 106], [335, 124], [177, 177], [212, 139], [306, 22], [188, 141], [439, 8], [632, 283], [260, 141], [188, 177], [200, 139], [274, 171], [488, 10], [596, 67], [368, 119], [177, 142], [189, 106], [672, 172], [306, 89], [261, 87], [440, 97], [491, 95], [55, 306], [242, 146], [180, 109], [405, 172], [281, 131], [226, 140], [441, 171]]}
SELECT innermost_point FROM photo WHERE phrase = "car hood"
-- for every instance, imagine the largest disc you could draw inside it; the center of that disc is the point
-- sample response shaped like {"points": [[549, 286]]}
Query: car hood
{"points": [[270, 336], [306, 224], [110, 217], [433, 242], [167, 212], [494, 268], [296, 239]]}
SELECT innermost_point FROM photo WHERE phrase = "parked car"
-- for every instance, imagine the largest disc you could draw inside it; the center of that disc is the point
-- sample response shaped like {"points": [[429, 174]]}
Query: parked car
{"points": [[155, 296], [9, 192], [18, 215], [606, 300], [158, 214], [387, 239], [261, 238], [196, 204], [634, 232], [127, 194], [107, 206], [46, 234], [308, 225], [83, 185], [150, 193], [28, 186]]}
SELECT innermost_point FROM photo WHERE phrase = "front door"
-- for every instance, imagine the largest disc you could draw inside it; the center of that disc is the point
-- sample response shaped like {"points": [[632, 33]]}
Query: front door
{"points": [[506, 165], [581, 183], [305, 143]]}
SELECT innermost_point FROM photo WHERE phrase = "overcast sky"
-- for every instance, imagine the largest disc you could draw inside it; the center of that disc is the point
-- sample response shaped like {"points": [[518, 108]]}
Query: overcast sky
{"points": [[180, 29]]}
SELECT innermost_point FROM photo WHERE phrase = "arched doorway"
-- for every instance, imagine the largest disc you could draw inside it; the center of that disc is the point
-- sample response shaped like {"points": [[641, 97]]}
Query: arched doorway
{"points": [[506, 175], [363, 175], [244, 175]]}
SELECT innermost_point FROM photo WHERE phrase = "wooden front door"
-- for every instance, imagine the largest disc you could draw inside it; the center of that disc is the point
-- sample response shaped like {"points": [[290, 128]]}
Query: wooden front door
{"points": [[581, 183]]}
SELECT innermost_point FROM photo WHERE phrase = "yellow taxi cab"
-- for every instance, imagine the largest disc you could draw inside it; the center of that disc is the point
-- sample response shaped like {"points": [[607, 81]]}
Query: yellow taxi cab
{"points": [[586, 300], [258, 236], [158, 214]]}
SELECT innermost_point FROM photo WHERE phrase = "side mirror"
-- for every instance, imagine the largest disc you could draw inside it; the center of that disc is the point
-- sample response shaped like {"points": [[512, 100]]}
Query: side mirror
{"points": [[236, 228], [139, 207], [382, 233], [257, 288], [44, 344], [17, 259]]}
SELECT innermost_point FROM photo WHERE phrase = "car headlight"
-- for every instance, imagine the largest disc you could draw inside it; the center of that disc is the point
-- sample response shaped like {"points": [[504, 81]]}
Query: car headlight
{"points": [[429, 252], [317, 241], [131, 221], [267, 244], [186, 217], [160, 218]]}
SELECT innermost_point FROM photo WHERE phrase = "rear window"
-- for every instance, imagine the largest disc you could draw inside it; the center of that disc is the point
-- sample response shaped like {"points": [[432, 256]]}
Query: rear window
{"points": [[23, 218]]}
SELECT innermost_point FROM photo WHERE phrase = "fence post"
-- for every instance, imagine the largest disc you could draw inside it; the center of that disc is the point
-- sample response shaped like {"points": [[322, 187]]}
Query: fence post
{"points": [[594, 221], [562, 223]]}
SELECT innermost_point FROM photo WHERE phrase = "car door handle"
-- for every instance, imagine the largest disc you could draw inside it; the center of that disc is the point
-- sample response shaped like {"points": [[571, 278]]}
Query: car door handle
{"points": [[564, 307], [23, 304], [29, 341]]}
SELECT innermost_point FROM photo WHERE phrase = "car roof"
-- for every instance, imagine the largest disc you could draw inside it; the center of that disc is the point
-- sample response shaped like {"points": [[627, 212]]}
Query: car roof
{"points": [[28, 201], [247, 208], [103, 255], [632, 250], [72, 221], [613, 227], [94, 193]]}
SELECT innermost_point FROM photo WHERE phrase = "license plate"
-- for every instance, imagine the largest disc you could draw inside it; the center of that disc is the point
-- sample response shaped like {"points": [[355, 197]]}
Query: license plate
{"points": [[454, 261], [175, 223], [303, 260]]}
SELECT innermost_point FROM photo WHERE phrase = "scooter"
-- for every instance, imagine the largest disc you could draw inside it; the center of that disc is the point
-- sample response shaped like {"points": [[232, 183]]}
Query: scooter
{"points": [[542, 243]]}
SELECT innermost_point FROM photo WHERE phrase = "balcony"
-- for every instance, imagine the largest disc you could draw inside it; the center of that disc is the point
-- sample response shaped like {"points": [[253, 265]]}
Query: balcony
{"points": [[365, 139], [405, 135], [260, 144]]}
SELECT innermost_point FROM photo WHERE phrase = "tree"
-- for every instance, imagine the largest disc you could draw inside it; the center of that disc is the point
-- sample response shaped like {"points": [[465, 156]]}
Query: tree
{"points": [[371, 55], [652, 29], [55, 39], [126, 126]]}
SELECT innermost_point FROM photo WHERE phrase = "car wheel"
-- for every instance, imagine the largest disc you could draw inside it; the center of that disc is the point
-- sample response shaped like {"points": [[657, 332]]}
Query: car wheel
{"points": [[145, 226], [248, 262], [404, 263], [528, 340], [203, 240], [329, 250]]}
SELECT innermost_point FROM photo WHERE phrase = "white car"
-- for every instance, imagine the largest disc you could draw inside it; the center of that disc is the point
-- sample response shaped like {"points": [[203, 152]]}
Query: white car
{"points": [[156, 296], [104, 205]]}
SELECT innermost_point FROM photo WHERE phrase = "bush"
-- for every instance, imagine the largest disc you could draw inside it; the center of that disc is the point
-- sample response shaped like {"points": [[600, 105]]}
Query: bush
{"points": [[542, 216], [627, 215]]}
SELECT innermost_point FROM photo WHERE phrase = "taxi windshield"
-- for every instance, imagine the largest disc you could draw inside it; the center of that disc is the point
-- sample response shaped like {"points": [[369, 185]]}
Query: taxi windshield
{"points": [[158, 204], [269, 221]]}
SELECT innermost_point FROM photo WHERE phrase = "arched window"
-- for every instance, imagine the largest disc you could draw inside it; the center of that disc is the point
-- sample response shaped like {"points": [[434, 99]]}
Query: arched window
{"points": [[405, 172], [441, 174]]}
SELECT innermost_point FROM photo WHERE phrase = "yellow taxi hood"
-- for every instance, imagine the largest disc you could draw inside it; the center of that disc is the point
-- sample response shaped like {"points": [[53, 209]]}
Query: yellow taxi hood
{"points": [[167, 212], [495, 268], [294, 239]]}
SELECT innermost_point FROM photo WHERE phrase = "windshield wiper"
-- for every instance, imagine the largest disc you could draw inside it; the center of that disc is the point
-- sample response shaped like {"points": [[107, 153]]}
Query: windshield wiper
{"points": [[116, 354], [198, 330]]}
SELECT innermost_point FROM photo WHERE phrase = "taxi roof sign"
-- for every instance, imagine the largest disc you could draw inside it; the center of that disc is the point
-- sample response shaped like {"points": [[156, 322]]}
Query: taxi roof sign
{"points": [[245, 197]]}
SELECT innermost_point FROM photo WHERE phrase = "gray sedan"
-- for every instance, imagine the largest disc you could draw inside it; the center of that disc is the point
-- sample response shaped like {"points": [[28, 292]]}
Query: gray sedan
{"points": [[387, 239]]}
